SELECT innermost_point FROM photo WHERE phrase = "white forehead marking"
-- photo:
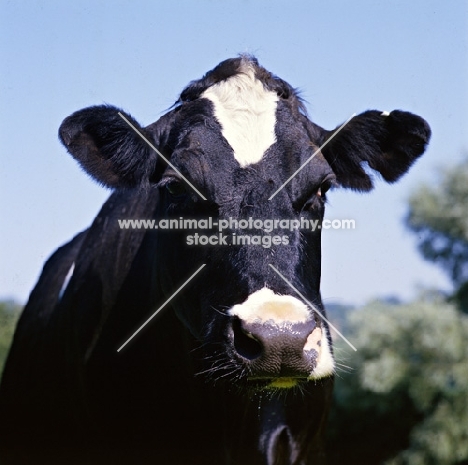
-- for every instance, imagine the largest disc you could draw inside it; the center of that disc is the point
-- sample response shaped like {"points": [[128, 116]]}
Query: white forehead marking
{"points": [[264, 305], [247, 114], [325, 362]]}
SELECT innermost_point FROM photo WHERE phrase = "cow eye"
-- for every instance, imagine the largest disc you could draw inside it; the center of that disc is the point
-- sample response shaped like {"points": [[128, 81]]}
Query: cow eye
{"points": [[176, 188], [324, 187], [316, 198], [322, 190]]}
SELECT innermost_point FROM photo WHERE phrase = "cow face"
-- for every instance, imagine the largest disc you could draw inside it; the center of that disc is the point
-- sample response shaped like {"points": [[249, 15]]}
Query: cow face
{"points": [[233, 139]]}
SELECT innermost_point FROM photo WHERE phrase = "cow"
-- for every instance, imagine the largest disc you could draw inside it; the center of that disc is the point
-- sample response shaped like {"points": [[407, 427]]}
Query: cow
{"points": [[146, 345]]}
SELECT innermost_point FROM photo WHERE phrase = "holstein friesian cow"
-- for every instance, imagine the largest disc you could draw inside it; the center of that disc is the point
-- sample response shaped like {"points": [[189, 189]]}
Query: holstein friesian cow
{"points": [[238, 367]]}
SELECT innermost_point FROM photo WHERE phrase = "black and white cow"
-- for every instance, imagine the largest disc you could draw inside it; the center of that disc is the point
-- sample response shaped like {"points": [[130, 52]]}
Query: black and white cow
{"points": [[238, 367]]}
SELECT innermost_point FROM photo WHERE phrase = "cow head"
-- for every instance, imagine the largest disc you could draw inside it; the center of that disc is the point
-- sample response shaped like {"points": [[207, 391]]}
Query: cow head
{"points": [[232, 140]]}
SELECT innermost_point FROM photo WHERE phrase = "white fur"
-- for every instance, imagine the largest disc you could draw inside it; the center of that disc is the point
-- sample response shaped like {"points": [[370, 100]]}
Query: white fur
{"points": [[247, 114], [325, 363], [314, 340], [66, 280], [264, 305]]}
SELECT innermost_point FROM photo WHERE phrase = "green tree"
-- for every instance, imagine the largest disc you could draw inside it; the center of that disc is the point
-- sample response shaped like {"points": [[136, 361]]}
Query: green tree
{"points": [[9, 313], [438, 215], [406, 401]]}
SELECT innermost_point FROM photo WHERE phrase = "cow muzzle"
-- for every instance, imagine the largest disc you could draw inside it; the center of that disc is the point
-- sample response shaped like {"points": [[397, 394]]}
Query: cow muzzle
{"points": [[278, 340]]}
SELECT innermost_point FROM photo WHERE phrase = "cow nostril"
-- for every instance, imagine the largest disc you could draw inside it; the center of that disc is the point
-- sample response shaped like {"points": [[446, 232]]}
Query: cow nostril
{"points": [[244, 343]]}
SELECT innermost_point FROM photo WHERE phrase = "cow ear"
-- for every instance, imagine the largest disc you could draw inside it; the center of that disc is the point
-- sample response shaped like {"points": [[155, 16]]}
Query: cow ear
{"points": [[389, 143], [107, 147]]}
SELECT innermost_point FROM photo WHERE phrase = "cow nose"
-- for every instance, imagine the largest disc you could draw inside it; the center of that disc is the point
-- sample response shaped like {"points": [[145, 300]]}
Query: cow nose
{"points": [[246, 344], [274, 350], [275, 336]]}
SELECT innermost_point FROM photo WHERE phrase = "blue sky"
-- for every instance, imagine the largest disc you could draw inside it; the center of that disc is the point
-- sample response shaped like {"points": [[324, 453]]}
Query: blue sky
{"points": [[346, 57]]}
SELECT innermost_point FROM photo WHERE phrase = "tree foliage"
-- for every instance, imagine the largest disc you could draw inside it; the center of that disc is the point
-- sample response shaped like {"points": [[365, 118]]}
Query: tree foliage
{"points": [[406, 400], [438, 214], [9, 313]]}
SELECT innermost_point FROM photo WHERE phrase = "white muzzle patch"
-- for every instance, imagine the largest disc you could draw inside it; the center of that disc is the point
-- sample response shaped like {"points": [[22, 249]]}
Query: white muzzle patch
{"points": [[264, 305], [318, 340]]}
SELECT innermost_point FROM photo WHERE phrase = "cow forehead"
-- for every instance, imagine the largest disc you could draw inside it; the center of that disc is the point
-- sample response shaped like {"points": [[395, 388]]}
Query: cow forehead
{"points": [[246, 111]]}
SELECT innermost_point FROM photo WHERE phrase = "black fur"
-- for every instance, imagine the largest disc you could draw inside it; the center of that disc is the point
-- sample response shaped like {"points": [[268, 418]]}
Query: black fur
{"points": [[189, 390], [387, 144], [107, 148]]}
